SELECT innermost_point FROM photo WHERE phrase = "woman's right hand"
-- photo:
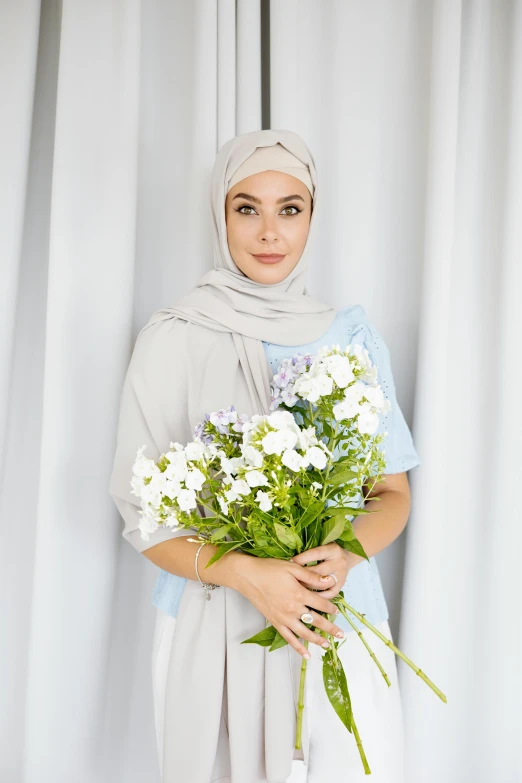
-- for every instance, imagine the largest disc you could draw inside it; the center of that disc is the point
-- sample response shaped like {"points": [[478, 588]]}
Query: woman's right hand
{"points": [[275, 588]]}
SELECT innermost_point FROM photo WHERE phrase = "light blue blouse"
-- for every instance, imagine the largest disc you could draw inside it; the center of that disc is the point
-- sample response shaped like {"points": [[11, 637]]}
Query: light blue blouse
{"points": [[362, 589]]}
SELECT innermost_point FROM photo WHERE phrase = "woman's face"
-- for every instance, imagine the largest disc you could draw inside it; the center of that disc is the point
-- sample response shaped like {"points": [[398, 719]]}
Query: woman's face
{"points": [[267, 213]]}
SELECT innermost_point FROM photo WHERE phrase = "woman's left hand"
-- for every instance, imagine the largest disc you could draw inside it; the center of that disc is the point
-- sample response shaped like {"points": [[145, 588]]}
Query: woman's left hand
{"points": [[335, 560]]}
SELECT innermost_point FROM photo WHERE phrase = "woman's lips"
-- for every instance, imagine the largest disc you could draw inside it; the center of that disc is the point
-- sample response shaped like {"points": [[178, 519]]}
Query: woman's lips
{"points": [[269, 258]]}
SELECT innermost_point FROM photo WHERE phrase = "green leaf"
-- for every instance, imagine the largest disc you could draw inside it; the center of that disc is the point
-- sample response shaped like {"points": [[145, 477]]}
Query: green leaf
{"points": [[265, 517], [264, 638], [354, 546], [220, 533], [273, 551], [332, 529], [341, 476], [311, 513], [336, 688], [348, 533], [333, 511], [222, 550], [287, 536], [278, 642]]}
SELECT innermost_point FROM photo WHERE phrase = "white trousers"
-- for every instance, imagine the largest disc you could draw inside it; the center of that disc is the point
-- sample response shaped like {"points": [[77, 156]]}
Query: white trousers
{"points": [[333, 752]]}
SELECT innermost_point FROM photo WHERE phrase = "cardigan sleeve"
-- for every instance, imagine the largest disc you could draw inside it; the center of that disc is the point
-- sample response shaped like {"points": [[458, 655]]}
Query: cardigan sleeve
{"points": [[400, 451], [153, 412]]}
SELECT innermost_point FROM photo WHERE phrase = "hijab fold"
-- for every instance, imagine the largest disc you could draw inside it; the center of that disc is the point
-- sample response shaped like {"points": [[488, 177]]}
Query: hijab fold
{"points": [[226, 317]]}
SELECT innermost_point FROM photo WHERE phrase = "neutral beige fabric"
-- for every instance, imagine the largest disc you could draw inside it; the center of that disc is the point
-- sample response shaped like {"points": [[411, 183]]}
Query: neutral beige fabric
{"points": [[333, 754], [273, 158], [203, 353]]}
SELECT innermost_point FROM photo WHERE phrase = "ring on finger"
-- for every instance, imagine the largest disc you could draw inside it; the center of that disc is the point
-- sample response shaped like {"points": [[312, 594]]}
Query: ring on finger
{"points": [[306, 617]]}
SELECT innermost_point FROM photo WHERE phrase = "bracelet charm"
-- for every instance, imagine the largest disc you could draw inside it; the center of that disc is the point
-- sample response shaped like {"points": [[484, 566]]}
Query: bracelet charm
{"points": [[207, 586]]}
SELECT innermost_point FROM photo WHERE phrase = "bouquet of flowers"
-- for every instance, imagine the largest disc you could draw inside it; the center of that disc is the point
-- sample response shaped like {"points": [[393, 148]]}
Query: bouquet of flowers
{"points": [[278, 484]]}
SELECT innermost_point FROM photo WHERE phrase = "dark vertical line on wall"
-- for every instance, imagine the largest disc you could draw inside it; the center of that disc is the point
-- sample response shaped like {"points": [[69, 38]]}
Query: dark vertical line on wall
{"points": [[265, 64]]}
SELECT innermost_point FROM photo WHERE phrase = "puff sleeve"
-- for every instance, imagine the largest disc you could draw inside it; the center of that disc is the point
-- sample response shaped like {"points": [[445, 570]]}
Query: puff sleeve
{"points": [[153, 412], [400, 451]]}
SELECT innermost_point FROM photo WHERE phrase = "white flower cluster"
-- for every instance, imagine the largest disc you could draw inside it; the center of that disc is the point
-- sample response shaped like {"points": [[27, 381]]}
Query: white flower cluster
{"points": [[257, 458], [275, 437], [179, 482], [276, 434], [332, 370]]}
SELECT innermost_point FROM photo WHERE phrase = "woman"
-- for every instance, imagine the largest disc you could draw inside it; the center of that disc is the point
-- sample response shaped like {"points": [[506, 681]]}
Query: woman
{"points": [[226, 711]]}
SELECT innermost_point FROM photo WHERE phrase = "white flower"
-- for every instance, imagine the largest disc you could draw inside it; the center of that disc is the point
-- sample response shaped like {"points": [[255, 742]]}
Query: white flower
{"points": [[346, 409], [316, 485], [195, 479], [239, 487], [178, 468], [312, 387], [283, 420], [307, 438], [367, 422], [263, 498], [176, 446], [137, 485], [144, 467], [288, 396], [232, 465], [340, 369], [283, 377], [292, 460], [250, 426], [276, 442], [172, 520], [152, 492], [355, 392], [223, 504], [147, 524], [172, 489], [252, 456], [187, 500], [255, 478], [316, 456], [195, 451], [375, 396]]}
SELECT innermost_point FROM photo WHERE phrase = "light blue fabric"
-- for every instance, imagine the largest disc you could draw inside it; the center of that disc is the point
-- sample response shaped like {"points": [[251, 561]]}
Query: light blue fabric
{"points": [[362, 589]]}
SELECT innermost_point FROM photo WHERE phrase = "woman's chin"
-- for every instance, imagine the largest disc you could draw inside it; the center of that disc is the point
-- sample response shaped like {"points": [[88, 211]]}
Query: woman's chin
{"points": [[267, 273]]}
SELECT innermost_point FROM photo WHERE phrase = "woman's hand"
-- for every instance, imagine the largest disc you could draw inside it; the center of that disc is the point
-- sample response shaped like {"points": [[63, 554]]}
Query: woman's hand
{"points": [[276, 588], [334, 560]]}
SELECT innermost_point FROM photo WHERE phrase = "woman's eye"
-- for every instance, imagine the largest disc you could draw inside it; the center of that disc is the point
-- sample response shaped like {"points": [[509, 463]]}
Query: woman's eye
{"points": [[288, 214]]}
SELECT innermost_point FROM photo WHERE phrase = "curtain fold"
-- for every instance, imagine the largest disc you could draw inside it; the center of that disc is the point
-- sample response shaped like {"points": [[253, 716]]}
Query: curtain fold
{"points": [[462, 576], [114, 111]]}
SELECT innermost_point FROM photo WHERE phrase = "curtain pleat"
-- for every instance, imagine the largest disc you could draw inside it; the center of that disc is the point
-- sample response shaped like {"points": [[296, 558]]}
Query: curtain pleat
{"points": [[113, 113]]}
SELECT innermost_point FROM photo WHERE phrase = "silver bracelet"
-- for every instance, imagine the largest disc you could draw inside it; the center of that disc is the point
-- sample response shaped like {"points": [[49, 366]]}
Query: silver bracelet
{"points": [[207, 586]]}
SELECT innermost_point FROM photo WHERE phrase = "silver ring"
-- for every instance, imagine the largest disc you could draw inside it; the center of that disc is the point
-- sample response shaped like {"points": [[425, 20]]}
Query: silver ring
{"points": [[334, 576], [306, 617]]}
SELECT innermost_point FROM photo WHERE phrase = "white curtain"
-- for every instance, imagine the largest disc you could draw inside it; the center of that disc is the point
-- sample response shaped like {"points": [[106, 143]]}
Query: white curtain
{"points": [[113, 111]]}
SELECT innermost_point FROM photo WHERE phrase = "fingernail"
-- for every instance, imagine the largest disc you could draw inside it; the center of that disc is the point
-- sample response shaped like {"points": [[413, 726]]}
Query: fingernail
{"points": [[325, 577], [307, 656], [325, 644], [340, 635]]}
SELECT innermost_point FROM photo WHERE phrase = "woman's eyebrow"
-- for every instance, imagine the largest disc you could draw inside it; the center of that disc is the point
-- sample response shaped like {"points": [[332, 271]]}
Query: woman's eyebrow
{"points": [[258, 200]]}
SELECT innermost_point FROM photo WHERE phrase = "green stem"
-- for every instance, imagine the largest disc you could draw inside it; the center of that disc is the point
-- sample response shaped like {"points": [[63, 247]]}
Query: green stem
{"points": [[300, 702], [363, 640], [395, 649], [362, 754]]}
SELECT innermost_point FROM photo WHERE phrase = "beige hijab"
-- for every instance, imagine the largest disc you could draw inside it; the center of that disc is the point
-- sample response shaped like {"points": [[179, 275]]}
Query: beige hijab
{"points": [[202, 354]]}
